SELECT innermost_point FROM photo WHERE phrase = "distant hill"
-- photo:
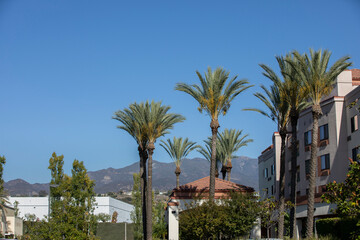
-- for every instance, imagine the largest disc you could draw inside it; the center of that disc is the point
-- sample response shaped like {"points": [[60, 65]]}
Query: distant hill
{"points": [[244, 171]]}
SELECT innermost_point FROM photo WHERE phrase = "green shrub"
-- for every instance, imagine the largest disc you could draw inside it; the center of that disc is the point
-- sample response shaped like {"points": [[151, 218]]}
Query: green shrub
{"points": [[342, 228]]}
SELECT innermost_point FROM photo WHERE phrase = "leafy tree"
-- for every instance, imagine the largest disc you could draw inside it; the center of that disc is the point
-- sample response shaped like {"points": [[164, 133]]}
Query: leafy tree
{"points": [[16, 209], [214, 98], [231, 141], [278, 111], [136, 214], [160, 226], [224, 219], [177, 150], [72, 202], [346, 195], [319, 82]]}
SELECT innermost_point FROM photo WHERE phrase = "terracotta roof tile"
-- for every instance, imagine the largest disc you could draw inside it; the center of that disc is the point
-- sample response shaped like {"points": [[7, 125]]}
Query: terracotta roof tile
{"points": [[203, 185], [355, 73]]}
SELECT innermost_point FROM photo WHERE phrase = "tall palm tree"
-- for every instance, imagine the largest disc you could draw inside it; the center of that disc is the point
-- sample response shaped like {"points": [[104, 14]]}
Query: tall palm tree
{"points": [[295, 94], [279, 113], [131, 119], [214, 98], [156, 123], [177, 150], [319, 80], [230, 141]]}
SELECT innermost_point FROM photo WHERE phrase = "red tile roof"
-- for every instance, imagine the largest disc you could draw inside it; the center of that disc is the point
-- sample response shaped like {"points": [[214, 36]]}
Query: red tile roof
{"points": [[355, 73], [355, 76], [220, 185]]}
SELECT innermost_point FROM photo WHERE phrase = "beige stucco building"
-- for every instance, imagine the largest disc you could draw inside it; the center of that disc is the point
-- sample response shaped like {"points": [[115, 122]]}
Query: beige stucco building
{"points": [[10, 225], [339, 139]]}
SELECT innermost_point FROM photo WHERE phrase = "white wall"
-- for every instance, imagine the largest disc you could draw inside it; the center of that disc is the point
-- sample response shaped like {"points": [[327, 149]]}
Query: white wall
{"points": [[39, 207]]}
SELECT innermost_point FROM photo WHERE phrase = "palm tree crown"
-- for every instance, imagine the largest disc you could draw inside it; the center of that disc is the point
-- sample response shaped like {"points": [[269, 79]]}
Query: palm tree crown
{"points": [[214, 96], [231, 141], [319, 82], [177, 150]]}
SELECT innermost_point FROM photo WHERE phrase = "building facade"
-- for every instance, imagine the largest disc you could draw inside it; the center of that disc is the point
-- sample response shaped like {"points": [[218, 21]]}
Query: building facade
{"points": [[39, 206], [339, 139]]}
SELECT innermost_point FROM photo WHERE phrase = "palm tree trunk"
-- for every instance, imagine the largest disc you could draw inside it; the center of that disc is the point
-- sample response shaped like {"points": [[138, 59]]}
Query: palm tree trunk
{"points": [[143, 182], [223, 171], [282, 185], [316, 112], [150, 149], [228, 169], [294, 120], [214, 125], [177, 180]]}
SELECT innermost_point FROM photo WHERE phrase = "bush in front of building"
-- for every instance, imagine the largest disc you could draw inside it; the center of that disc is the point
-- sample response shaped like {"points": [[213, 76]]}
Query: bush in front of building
{"points": [[223, 219], [342, 228]]}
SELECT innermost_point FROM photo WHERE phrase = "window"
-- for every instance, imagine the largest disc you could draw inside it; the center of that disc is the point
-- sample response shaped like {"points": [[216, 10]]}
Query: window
{"points": [[272, 190], [354, 123], [355, 152], [324, 132], [307, 167], [307, 138], [266, 174], [272, 169], [325, 161]]}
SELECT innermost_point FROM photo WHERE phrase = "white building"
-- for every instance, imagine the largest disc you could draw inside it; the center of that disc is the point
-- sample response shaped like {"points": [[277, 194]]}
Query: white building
{"points": [[39, 207], [339, 139]]}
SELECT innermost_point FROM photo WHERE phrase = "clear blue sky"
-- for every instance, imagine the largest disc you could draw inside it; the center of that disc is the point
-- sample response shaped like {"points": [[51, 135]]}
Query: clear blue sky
{"points": [[67, 66]]}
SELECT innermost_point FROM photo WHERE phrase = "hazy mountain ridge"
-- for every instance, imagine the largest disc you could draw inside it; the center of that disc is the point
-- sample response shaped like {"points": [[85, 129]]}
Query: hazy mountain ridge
{"points": [[244, 171]]}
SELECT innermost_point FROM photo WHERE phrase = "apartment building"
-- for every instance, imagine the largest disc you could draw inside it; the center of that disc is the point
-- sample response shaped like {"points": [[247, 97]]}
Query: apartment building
{"points": [[339, 139]]}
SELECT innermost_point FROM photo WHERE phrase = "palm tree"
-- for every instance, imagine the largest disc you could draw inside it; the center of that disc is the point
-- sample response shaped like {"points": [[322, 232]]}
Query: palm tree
{"points": [[177, 150], [214, 98], [131, 119], [230, 141], [295, 94], [279, 113], [3, 193], [156, 123], [206, 152], [319, 80]]}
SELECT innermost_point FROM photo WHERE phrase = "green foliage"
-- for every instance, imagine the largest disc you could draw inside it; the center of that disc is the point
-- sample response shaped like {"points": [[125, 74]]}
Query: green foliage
{"points": [[269, 214], [136, 215], [160, 226], [72, 201], [178, 148], [225, 219], [341, 228], [103, 217], [346, 196], [16, 209]]}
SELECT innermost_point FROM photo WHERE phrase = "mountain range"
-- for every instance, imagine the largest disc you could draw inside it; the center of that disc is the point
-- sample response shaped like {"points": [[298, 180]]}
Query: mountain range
{"points": [[244, 171]]}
